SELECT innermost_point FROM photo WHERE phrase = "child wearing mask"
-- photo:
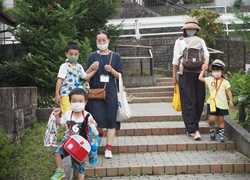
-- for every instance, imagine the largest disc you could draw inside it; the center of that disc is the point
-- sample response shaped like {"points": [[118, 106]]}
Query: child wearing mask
{"points": [[219, 88], [69, 76], [77, 117]]}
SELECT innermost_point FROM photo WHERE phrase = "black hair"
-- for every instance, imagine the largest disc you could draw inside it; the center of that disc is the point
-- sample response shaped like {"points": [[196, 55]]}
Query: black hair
{"points": [[72, 45], [185, 33], [215, 67], [78, 91], [103, 32]]}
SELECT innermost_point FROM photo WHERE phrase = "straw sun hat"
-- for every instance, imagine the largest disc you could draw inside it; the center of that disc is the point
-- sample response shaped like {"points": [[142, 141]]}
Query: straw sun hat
{"points": [[219, 63], [191, 23]]}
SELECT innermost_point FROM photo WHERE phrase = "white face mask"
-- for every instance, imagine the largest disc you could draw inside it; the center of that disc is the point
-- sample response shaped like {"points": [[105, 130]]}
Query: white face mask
{"points": [[190, 32], [103, 47], [77, 107]]}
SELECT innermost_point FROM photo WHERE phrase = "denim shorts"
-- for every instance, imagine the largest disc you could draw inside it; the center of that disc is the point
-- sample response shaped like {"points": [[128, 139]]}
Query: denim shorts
{"points": [[219, 112], [77, 166]]}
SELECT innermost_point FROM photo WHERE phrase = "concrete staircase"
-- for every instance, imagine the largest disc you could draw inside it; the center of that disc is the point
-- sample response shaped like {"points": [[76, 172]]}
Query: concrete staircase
{"points": [[161, 92], [153, 145]]}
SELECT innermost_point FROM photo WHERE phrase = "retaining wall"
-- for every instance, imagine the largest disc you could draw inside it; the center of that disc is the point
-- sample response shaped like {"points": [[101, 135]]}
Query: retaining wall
{"points": [[17, 110]]}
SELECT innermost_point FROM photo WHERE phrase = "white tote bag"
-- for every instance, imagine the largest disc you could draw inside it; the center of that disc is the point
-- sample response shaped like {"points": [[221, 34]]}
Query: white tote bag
{"points": [[51, 132], [123, 111]]}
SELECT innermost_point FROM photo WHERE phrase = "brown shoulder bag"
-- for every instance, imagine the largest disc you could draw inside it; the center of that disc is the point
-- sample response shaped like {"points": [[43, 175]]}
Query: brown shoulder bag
{"points": [[99, 93]]}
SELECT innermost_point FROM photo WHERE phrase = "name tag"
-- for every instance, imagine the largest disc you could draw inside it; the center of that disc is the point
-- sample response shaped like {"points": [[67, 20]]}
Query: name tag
{"points": [[104, 78]]}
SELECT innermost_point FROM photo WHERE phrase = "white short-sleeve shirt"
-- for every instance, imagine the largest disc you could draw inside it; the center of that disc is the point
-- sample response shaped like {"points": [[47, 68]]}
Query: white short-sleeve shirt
{"points": [[68, 74]]}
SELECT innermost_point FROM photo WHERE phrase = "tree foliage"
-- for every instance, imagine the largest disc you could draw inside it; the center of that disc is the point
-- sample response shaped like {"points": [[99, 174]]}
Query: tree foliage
{"points": [[240, 28], [210, 29], [44, 28]]}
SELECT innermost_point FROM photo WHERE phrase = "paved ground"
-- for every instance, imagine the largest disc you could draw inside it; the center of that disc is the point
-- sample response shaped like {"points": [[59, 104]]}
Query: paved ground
{"points": [[183, 177], [153, 109]]}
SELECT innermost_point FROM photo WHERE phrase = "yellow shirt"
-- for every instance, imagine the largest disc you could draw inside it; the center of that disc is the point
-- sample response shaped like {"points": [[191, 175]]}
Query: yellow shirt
{"points": [[221, 97]]}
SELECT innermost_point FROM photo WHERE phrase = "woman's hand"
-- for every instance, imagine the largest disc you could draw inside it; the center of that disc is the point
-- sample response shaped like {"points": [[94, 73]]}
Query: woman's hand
{"points": [[204, 67], [95, 65], [174, 80], [108, 68]]}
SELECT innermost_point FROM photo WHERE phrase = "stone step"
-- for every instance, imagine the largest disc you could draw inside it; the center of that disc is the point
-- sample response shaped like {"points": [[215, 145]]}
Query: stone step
{"points": [[152, 99], [165, 143], [163, 84], [218, 176], [150, 89], [151, 94], [170, 163], [165, 79]]}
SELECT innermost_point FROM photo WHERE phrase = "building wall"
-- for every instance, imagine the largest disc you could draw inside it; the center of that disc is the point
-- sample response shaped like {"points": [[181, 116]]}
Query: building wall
{"points": [[229, 2]]}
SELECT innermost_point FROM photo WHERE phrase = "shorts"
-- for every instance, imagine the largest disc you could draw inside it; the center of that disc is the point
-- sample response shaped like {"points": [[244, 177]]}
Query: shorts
{"points": [[77, 166], [219, 112], [65, 104]]}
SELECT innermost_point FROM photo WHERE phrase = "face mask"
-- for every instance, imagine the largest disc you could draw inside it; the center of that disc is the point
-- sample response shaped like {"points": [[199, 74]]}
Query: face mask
{"points": [[77, 107], [103, 46], [216, 74], [190, 32], [73, 59]]}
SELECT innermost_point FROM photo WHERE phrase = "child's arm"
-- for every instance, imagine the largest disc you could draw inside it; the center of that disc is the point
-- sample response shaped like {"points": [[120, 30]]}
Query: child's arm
{"points": [[56, 114], [201, 76], [92, 121], [89, 75], [58, 86], [230, 96], [93, 67]]}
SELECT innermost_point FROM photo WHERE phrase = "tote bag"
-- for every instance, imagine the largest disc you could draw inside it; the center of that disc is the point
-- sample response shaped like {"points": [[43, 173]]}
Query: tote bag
{"points": [[123, 111], [51, 132], [177, 100]]}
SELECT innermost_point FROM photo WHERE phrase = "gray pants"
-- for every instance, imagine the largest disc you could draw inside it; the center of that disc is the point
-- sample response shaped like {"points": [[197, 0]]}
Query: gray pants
{"points": [[192, 93]]}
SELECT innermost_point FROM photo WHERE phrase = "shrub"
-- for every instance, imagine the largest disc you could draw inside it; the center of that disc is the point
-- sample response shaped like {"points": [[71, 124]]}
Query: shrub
{"points": [[7, 154]]}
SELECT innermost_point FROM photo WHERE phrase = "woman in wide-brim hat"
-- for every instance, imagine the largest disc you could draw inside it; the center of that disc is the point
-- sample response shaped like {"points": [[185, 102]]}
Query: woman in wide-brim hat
{"points": [[192, 91]]}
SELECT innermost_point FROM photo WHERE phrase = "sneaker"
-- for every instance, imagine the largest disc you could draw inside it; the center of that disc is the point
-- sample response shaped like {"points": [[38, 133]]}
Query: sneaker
{"points": [[197, 136], [58, 175], [221, 139], [108, 154], [212, 134]]}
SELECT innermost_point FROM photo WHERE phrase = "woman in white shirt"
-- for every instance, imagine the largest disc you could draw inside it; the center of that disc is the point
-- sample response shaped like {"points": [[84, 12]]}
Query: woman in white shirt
{"points": [[192, 91]]}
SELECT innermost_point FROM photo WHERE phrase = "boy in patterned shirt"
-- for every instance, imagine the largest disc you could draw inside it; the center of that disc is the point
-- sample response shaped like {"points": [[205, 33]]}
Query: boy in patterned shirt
{"points": [[69, 76]]}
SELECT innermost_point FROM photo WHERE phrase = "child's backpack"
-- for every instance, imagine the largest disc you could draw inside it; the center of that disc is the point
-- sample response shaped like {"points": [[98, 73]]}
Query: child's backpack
{"points": [[193, 55]]}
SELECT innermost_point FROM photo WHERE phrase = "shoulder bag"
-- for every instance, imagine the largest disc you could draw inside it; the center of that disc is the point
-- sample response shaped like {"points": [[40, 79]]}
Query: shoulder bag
{"points": [[77, 146], [99, 93]]}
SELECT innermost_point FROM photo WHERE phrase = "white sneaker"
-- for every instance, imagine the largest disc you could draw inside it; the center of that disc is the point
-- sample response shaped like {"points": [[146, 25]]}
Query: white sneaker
{"points": [[197, 136], [108, 154]]}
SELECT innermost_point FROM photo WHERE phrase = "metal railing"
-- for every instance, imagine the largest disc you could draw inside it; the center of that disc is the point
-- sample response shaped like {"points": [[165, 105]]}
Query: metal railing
{"points": [[137, 24]]}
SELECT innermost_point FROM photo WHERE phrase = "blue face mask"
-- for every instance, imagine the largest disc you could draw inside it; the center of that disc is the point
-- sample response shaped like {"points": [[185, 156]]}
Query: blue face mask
{"points": [[190, 32]]}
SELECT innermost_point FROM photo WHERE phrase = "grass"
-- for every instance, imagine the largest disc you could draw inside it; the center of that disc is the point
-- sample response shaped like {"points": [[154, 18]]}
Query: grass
{"points": [[34, 160]]}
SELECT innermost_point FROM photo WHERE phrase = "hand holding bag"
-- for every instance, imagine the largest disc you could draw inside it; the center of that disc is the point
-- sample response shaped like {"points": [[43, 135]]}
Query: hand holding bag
{"points": [[123, 111], [51, 132], [99, 93], [77, 146], [176, 100]]}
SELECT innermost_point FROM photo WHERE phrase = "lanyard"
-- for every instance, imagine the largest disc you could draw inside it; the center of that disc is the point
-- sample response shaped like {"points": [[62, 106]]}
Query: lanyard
{"points": [[103, 61], [217, 88], [78, 73]]}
